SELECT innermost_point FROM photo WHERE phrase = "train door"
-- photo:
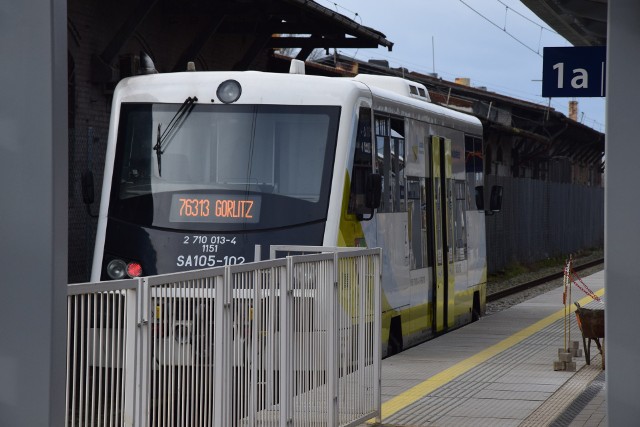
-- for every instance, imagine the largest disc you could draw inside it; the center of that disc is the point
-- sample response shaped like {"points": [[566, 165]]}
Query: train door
{"points": [[442, 233], [419, 214], [391, 228]]}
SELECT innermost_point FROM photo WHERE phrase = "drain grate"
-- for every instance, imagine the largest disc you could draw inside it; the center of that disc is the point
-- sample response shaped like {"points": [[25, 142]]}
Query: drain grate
{"points": [[572, 411]]}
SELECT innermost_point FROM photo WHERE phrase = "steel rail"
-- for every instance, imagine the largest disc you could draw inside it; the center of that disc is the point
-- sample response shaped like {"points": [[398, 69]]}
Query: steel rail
{"points": [[537, 282]]}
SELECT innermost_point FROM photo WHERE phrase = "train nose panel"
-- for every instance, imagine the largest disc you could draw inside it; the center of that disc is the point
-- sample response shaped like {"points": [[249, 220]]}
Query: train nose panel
{"points": [[160, 252]]}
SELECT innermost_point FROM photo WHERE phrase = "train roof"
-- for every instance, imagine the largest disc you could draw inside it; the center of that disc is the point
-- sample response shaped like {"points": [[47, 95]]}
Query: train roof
{"points": [[392, 94]]}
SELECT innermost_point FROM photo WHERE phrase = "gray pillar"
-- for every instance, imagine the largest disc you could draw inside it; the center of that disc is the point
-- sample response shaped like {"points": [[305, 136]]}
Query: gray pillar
{"points": [[622, 214], [33, 211]]}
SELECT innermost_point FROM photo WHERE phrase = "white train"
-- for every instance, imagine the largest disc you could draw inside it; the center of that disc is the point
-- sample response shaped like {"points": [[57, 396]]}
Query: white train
{"points": [[203, 166]]}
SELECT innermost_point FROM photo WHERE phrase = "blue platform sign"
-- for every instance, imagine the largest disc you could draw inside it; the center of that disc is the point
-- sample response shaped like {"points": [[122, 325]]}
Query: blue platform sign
{"points": [[573, 71]]}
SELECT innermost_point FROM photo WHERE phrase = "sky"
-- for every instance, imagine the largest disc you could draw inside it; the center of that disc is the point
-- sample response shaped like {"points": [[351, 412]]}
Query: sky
{"points": [[495, 43]]}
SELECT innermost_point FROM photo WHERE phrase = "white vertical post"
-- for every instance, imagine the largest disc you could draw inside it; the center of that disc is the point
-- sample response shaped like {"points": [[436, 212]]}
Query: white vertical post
{"points": [[129, 365], [223, 346], [286, 288], [143, 337], [363, 293], [622, 228], [254, 320], [377, 332], [333, 334]]}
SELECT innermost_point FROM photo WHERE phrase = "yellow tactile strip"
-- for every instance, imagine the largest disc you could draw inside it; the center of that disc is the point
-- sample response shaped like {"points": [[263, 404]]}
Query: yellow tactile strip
{"points": [[421, 390]]}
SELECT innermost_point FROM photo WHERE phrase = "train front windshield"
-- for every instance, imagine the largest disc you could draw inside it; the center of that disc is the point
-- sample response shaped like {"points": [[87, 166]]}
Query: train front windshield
{"points": [[223, 168]]}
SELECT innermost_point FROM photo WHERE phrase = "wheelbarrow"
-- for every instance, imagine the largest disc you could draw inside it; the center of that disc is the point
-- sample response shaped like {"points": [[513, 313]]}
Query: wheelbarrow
{"points": [[591, 324]]}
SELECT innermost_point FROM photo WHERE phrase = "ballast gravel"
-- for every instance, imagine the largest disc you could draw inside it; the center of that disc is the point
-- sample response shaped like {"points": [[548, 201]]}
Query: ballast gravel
{"points": [[504, 303]]}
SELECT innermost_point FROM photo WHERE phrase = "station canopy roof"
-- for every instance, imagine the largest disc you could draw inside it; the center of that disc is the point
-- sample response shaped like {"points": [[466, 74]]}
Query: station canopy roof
{"points": [[581, 22], [320, 27], [303, 25]]}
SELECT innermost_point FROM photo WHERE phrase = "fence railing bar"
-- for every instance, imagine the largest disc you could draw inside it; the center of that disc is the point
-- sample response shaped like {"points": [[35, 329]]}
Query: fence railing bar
{"points": [[130, 386], [99, 287]]}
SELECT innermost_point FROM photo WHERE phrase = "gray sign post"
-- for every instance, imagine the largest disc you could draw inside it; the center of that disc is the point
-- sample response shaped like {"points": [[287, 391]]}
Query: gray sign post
{"points": [[33, 212], [622, 204]]}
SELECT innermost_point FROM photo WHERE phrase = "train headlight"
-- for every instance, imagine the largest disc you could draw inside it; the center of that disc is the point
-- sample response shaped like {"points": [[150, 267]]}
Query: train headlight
{"points": [[229, 91], [117, 269]]}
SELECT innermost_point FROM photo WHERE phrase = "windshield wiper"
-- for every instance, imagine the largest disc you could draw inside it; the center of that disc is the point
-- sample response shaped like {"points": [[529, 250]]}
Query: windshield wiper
{"points": [[164, 138]]}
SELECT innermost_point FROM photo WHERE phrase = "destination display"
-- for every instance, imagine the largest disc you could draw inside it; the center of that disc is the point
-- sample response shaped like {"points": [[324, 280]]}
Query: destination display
{"points": [[215, 208]]}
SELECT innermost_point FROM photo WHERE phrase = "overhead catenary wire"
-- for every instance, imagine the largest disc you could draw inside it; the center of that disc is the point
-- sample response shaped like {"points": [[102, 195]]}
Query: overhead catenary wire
{"points": [[503, 29], [528, 19], [507, 91], [337, 6]]}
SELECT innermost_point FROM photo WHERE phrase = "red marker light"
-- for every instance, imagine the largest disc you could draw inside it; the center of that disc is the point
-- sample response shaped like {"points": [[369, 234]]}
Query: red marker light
{"points": [[134, 269]]}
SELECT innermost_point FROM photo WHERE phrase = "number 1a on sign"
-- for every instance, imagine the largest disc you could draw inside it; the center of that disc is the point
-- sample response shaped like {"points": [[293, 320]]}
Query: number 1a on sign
{"points": [[580, 79]]}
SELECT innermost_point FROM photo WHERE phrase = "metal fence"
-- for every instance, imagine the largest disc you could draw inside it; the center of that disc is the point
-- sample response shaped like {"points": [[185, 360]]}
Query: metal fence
{"points": [[542, 219], [285, 342]]}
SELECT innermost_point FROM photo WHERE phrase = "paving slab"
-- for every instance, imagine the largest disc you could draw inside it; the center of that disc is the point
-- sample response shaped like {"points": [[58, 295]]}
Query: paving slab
{"points": [[497, 371]]}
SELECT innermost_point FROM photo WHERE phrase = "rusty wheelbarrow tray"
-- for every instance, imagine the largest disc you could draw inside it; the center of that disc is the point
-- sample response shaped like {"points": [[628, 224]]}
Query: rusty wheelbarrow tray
{"points": [[591, 324]]}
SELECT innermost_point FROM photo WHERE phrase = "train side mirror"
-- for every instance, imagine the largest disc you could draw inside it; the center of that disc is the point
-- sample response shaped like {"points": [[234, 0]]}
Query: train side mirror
{"points": [[87, 187], [495, 202], [372, 196], [373, 190], [88, 191]]}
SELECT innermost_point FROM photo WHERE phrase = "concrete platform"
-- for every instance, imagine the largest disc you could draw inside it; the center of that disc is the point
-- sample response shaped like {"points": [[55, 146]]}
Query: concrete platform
{"points": [[499, 371]]}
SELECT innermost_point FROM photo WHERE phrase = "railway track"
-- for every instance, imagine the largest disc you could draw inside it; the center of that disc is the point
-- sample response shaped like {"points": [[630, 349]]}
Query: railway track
{"points": [[537, 282]]}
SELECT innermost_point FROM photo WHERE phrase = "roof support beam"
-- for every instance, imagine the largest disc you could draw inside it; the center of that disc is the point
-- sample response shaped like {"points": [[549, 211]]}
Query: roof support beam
{"points": [[581, 154], [596, 156], [261, 42], [304, 53], [320, 42], [101, 69], [199, 42]]}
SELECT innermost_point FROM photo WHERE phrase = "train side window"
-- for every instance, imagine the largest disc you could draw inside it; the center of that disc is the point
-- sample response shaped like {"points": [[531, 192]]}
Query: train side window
{"points": [[475, 161], [362, 163], [383, 155], [460, 227], [390, 163], [417, 210], [397, 153]]}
